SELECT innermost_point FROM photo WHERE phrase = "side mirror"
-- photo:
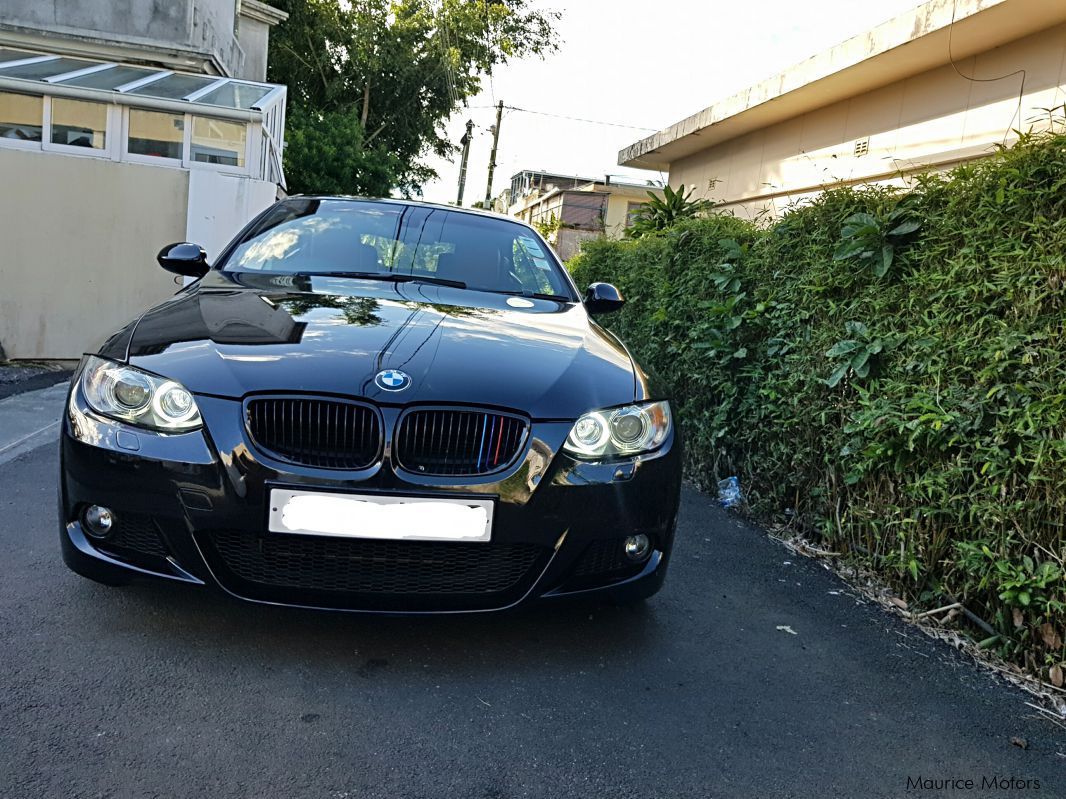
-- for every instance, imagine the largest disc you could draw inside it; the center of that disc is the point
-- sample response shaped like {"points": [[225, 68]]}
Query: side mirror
{"points": [[184, 258], [603, 298]]}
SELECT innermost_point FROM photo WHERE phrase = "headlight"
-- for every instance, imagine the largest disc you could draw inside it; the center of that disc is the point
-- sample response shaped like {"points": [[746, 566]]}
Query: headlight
{"points": [[139, 398], [620, 431]]}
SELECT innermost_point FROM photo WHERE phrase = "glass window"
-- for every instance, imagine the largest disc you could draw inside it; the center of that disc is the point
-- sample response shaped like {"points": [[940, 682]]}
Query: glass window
{"points": [[21, 116], [583, 210], [633, 209], [156, 133], [215, 141], [46, 69], [531, 265], [323, 237], [174, 87], [235, 95], [7, 54], [110, 78], [79, 124]]}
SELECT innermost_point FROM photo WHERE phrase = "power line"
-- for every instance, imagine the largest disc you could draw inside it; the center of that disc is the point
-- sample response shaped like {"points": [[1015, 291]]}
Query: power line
{"points": [[571, 119], [445, 47], [488, 29], [580, 119], [1021, 91]]}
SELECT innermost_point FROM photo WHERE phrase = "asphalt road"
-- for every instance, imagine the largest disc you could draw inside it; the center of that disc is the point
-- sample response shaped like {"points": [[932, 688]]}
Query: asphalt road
{"points": [[162, 691]]}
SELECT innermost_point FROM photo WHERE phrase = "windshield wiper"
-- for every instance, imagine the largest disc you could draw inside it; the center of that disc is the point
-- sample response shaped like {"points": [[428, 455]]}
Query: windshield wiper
{"points": [[536, 295], [400, 277], [392, 277]]}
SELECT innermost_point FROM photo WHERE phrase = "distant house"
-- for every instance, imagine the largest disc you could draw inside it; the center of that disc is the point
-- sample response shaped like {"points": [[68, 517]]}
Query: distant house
{"points": [[941, 84], [528, 182], [123, 127], [577, 208]]}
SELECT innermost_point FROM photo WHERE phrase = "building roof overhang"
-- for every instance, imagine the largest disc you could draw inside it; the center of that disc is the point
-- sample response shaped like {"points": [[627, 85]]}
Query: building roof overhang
{"points": [[225, 98], [261, 12], [130, 49], [907, 45]]}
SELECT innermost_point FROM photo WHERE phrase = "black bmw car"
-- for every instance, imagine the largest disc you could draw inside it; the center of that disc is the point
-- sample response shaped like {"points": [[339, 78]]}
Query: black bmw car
{"points": [[372, 405]]}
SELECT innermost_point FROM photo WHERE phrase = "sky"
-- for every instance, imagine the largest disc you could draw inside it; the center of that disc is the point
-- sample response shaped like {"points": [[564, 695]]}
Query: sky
{"points": [[640, 65]]}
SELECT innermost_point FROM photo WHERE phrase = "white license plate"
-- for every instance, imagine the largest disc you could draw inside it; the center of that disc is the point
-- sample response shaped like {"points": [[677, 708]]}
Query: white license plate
{"points": [[381, 517]]}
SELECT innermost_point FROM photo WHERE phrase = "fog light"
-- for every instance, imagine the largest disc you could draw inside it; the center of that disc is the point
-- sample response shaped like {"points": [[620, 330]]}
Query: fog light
{"points": [[637, 547], [98, 521]]}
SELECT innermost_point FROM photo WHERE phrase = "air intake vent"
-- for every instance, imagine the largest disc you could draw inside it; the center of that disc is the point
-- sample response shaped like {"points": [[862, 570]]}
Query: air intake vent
{"points": [[862, 146], [373, 567], [458, 442], [135, 535], [325, 433]]}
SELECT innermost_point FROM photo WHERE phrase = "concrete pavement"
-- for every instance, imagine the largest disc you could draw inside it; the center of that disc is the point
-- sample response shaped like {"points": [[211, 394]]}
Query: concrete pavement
{"points": [[29, 420]]}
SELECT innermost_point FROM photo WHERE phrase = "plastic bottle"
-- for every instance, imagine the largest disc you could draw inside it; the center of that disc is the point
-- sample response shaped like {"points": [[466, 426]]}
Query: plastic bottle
{"points": [[729, 495]]}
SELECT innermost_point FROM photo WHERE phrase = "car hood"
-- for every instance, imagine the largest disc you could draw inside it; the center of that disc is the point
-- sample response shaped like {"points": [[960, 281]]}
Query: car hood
{"points": [[328, 335]]}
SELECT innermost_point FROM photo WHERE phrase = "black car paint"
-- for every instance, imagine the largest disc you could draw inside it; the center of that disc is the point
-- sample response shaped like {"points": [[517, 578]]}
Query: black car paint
{"points": [[184, 258], [234, 335], [332, 335]]}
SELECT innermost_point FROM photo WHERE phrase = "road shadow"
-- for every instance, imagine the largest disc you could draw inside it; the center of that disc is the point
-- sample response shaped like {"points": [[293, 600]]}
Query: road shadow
{"points": [[177, 617]]}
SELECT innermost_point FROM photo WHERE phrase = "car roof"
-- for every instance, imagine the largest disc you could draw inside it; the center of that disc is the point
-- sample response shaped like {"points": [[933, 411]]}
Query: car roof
{"points": [[414, 203]]}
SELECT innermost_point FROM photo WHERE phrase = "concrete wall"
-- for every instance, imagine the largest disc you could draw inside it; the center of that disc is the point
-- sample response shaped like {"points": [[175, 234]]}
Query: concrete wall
{"points": [[255, 39], [618, 208], [932, 120], [214, 30], [568, 241], [168, 22], [156, 30], [220, 205], [79, 238]]}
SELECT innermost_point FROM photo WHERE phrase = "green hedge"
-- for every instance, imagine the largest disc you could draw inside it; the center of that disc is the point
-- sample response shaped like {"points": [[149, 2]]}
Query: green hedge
{"points": [[886, 370]]}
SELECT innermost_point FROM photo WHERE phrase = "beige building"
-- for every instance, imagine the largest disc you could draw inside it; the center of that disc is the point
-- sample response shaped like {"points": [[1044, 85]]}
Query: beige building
{"points": [[939, 85], [107, 160], [575, 209]]}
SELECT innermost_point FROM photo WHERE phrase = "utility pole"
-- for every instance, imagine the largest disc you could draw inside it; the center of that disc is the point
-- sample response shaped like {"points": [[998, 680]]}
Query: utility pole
{"points": [[492, 158], [465, 141]]}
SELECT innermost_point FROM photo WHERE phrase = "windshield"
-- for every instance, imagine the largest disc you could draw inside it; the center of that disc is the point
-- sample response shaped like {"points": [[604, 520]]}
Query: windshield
{"points": [[322, 237]]}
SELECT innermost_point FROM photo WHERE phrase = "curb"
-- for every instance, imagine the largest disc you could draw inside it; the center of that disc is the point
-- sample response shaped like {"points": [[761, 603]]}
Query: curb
{"points": [[34, 382]]}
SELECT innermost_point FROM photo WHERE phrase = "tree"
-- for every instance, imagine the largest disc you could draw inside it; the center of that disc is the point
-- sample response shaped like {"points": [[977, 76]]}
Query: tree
{"points": [[325, 154], [372, 82]]}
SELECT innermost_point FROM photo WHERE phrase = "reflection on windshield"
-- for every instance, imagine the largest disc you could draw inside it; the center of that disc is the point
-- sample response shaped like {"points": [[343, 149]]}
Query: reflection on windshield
{"points": [[272, 247], [302, 236]]}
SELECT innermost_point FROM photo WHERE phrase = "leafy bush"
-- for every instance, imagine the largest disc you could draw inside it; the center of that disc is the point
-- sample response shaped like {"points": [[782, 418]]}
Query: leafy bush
{"points": [[886, 370], [660, 213]]}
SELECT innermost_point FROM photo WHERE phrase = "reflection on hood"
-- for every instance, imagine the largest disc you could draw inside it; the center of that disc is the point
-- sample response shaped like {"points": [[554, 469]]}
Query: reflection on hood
{"points": [[543, 357], [237, 317]]}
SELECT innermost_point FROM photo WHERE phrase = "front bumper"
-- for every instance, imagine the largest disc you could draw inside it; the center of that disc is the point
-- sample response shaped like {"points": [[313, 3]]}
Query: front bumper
{"points": [[192, 507]]}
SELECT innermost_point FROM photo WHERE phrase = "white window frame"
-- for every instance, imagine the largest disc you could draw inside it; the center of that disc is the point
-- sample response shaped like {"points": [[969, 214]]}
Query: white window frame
{"points": [[116, 140], [270, 96], [77, 73], [153, 160], [108, 150], [21, 62], [196, 95], [20, 144], [186, 161], [137, 83], [189, 163]]}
